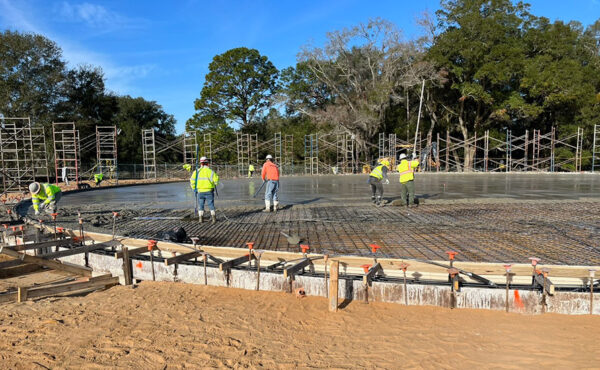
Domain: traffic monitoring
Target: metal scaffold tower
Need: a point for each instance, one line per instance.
(207, 147)
(189, 148)
(278, 148)
(345, 159)
(596, 149)
(40, 157)
(288, 154)
(16, 153)
(311, 154)
(244, 155)
(66, 149)
(106, 150)
(149, 153)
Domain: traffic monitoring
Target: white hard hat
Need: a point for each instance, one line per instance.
(269, 156)
(402, 156)
(203, 159)
(34, 187)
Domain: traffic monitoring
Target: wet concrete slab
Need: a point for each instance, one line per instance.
(350, 189)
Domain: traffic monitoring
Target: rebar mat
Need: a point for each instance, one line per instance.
(558, 233)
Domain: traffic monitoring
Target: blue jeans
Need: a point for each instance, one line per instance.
(271, 191)
(209, 197)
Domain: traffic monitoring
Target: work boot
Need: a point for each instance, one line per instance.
(275, 204)
(267, 206)
(213, 217)
(201, 216)
(373, 199)
(378, 202)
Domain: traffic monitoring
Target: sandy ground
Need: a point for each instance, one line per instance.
(171, 325)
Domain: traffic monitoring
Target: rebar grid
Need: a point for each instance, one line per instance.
(559, 233)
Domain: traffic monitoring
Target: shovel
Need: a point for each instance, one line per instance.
(292, 239)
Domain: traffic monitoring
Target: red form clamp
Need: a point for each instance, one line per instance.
(115, 214)
(250, 245)
(151, 245)
(507, 268)
(60, 229)
(403, 266)
(54, 216)
(304, 248)
(451, 255)
(366, 268)
(374, 247)
(534, 261)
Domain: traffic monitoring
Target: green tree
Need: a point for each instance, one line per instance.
(134, 115)
(31, 74)
(238, 87)
(222, 137)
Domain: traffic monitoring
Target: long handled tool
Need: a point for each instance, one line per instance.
(259, 189)
(196, 185)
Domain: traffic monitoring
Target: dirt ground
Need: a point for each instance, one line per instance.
(173, 325)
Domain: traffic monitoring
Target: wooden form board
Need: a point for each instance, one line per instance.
(53, 264)
(24, 293)
(560, 274)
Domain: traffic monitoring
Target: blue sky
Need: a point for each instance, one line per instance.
(160, 50)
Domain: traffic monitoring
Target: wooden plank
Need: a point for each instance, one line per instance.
(11, 263)
(79, 250)
(127, 267)
(182, 257)
(21, 294)
(390, 265)
(51, 243)
(334, 269)
(371, 273)
(236, 261)
(26, 268)
(72, 287)
(132, 252)
(53, 264)
(293, 269)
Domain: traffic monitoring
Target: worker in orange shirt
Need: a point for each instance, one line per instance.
(270, 174)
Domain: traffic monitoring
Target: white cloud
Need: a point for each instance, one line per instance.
(120, 79)
(95, 16)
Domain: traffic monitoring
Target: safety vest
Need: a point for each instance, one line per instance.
(47, 194)
(187, 167)
(377, 172)
(407, 169)
(98, 177)
(251, 168)
(207, 179)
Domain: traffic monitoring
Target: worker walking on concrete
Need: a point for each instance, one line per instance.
(407, 177)
(377, 178)
(204, 181)
(270, 174)
(250, 170)
(46, 194)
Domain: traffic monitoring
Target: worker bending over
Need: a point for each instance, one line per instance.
(407, 177)
(204, 181)
(270, 173)
(46, 194)
(377, 178)
(98, 178)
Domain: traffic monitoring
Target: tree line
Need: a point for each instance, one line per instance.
(36, 82)
(485, 65)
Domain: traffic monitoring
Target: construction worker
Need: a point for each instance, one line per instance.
(377, 178)
(46, 194)
(98, 177)
(250, 170)
(407, 177)
(204, 181)
(270, 173)
(187, 167)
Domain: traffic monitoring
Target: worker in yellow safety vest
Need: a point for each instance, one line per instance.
(187, 167)
(377, 178)
(250, 170)
(407, 178)
(46, 194)
(204, 181)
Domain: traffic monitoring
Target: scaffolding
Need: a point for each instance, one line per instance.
(311, 154)
(106, 150)
(345, 159)
(39, 152)
(66, 150)
(190, 143)
(288, 154)
(278, 153)
(149, 153)
(207, 147)
(16, 154)
(596, 149)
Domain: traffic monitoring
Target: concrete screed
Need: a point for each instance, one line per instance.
(485, 217)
